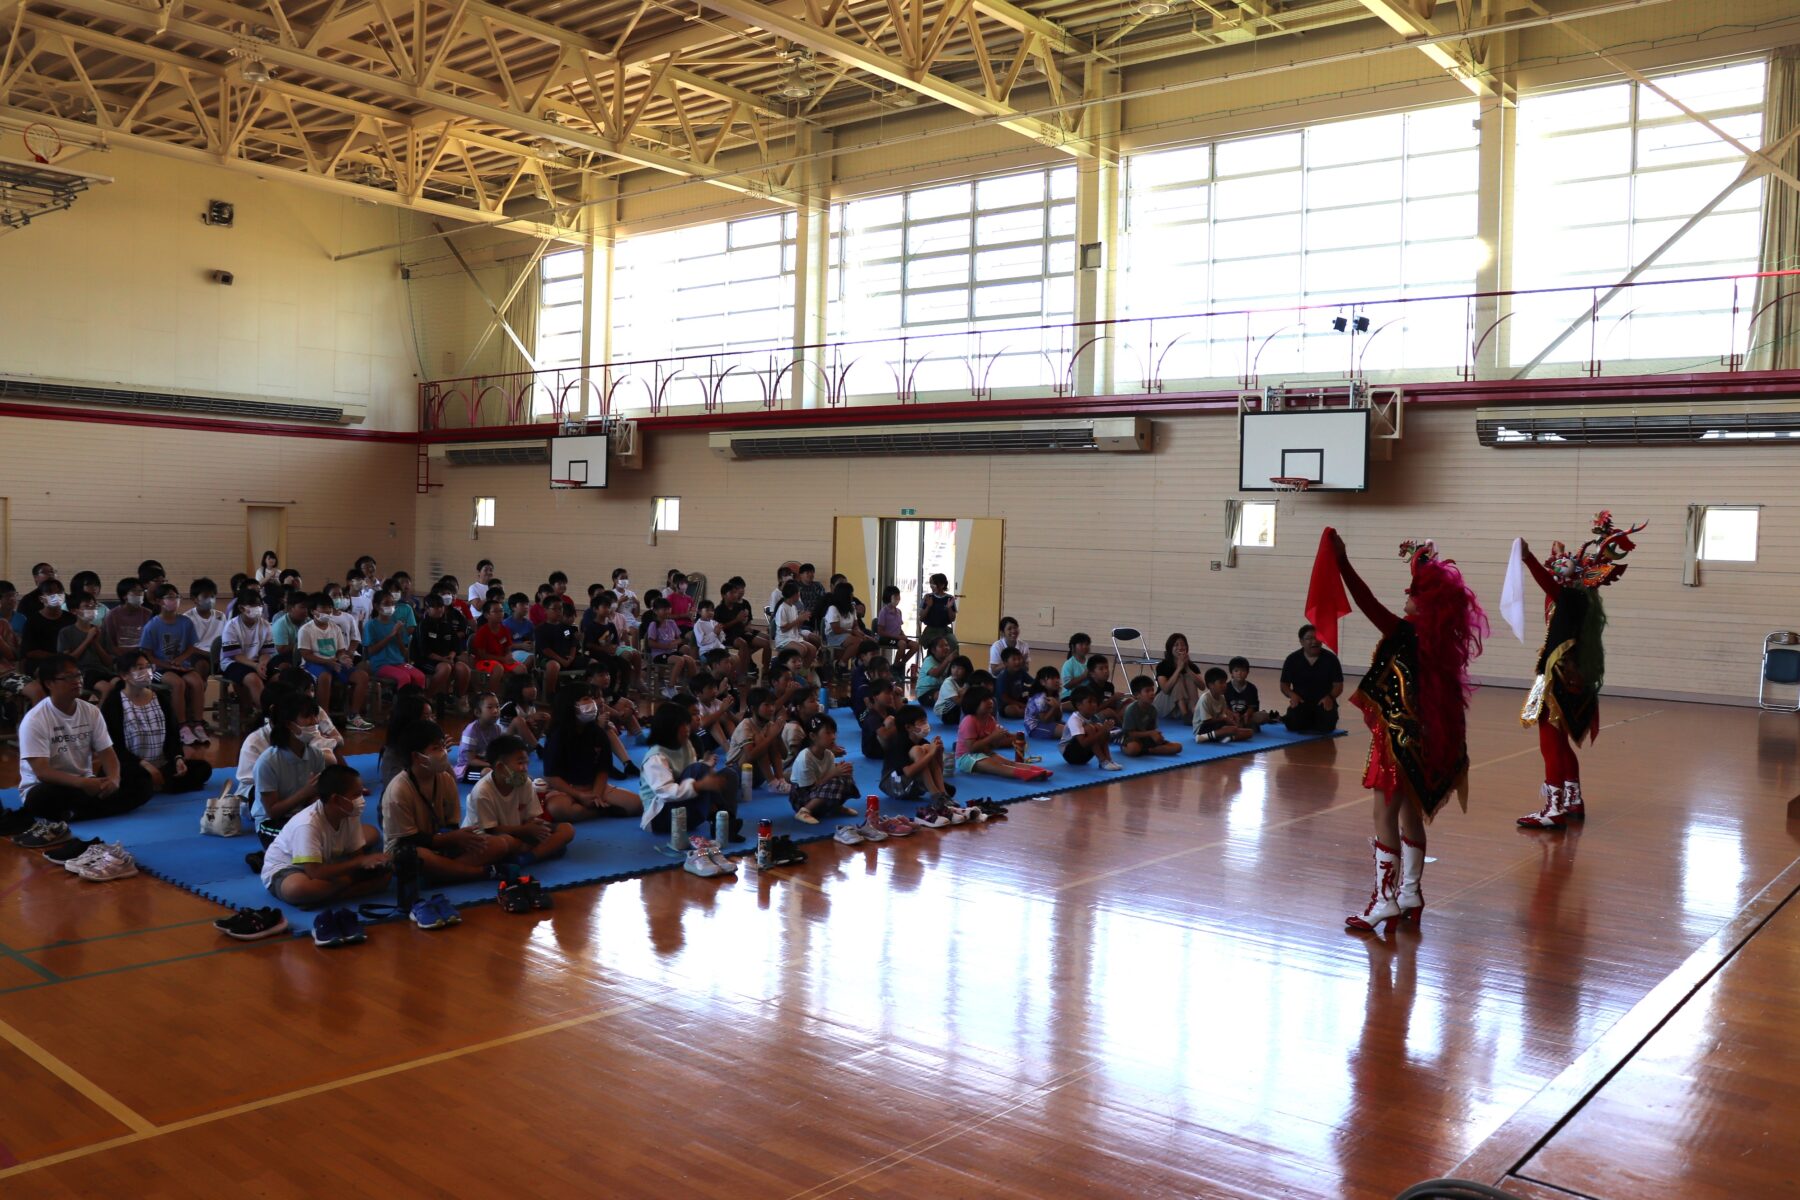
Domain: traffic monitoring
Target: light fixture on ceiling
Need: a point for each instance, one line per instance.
(252, 69)
(1154, 8)
(898, 98)
(256, 71)
(798, 84)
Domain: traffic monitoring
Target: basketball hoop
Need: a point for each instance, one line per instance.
(41, 142)
(1289, 483)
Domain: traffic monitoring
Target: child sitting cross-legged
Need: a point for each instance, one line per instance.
(1012, 687)
(1139, 726)
(912, 762)
(948, 704)
(422, 807)
(1213, 719)
(663, 643)
(713, 725)
(757, 741)
(506, 807)
(472, 749)
(325, 852)
(1043, 712)
(980, 736)
(1099, 680)
(1242, 697)
(822, 784)
(1087, 735)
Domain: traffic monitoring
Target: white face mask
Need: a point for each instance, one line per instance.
(387, 610)
(204, 604)
(623, 583)
(134, 598)
(139, 677)
(88, 614)
(447, 597)
(322, 620)
(586, 713)
(171, 603)
(252, 613)
(53, 600)
(340, 603)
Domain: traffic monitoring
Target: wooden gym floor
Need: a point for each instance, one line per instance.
(1138, 990)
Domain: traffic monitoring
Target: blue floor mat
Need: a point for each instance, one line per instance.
(164, 835)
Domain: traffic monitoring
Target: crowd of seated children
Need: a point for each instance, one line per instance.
(1215, 720)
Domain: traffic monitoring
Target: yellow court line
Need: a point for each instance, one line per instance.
(144, 1130)
(121, 1112)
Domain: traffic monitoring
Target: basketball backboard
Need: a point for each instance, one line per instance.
(29, 190)
(578, 462)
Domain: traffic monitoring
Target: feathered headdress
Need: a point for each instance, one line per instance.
(1600, 560)
(1451, 625)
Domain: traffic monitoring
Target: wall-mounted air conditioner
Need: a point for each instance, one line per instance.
(80, 394)
(1111, 435)
(492, 454)
(1680, 423)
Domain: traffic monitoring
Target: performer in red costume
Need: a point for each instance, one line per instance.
(1564, 702)
(1415, 700)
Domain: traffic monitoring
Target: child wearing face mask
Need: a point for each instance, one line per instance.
(422, 807)
(294, 681)
(204, 616)
(80, 640)
(287, 773)
(169, 641)
(912, 764)
(384, 646)
(327, 658)
(145, 732)
(507, 808)
(577, 754)
(123, 628)
(245, 648)
(471, 750)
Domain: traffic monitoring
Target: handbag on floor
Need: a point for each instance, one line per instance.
(222, 817)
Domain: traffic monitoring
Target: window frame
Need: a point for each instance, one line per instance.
(660, 511)
(1707, 510)
(1244, 507)
(493, 509)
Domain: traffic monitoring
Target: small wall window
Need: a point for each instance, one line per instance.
(1728, 534)
(484, 512)
(668, 514)
(1256, 524)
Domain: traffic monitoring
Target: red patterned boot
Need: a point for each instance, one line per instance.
(1384, 902)
(1573, 808)
(1552, 815)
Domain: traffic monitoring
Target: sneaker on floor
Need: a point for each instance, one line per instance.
(850, 835)
(700, 863)
(992, 809)
(187, 736)
(783, 852)
(109, 863)
(252, 924)
(76, 862)
(42, 834)
(350, 926)
(425, 915)
(515, 896)
(357, 724)
(1112, 764)
(872, 833)
(14, 820)
(780, 787)
(895, 826)
(721, 860)
(957, 814)
(931, 817)
(71, 850)
(327, 930)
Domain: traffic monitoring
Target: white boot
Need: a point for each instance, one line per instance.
(1412, 870)
(1552, 815)
(1384, 900)
(1573, 808)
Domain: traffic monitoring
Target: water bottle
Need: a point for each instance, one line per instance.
(678, 828)
(722, 827)
(872, 811)
(746, 782)
(764, 829)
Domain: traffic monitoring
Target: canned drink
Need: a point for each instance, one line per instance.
(872, 810)
(765, 829)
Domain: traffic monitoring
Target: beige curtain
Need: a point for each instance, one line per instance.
(1775, 338)
(1690, 560)
(1233, 514)
(522, 315)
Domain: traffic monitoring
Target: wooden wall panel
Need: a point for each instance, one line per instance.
(1111, 538)
(104, 497)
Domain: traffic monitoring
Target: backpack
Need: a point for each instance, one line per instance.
(222, 817)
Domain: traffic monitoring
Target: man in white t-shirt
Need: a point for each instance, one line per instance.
(478, 590)
(326, 852)
(68, 770)
(208, 621)
(505, 804)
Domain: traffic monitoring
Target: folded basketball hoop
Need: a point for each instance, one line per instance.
(1290, 483)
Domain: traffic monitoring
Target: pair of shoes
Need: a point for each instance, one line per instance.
(780, 787)
(14, 820)
(74, 863)
(435, 912)
(187, 736)
(895, 826)
(1112, 764)
(70, 850)
(358, 724)
(519, 895)
(338, 927)
(41, 834)
(715, 852)
(850, 835)
(991, 810)
(958, 814)
(783, 852)
(107, 864)
(871, 833)
(931, 817)
(252, 924)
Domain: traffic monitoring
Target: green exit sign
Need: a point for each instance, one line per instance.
(909, 512)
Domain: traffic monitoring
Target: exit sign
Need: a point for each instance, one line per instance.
(909, 512)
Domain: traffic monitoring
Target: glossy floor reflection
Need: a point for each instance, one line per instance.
(1135, 990)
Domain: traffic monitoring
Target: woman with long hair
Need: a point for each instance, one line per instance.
(1415, 700)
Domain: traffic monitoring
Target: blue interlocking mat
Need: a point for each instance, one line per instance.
(165, 837)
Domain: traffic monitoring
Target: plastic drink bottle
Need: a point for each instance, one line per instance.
(764, 829)
(678, 828)
(722, 828)
(747, 783)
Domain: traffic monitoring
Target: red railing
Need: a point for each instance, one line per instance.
(1691, 325)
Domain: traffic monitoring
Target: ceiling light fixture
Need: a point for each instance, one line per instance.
(1154, 8)
(799, 83)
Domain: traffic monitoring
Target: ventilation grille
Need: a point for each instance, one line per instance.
(1686, 425)
(519, 455)
(83, 395)
(899, 441)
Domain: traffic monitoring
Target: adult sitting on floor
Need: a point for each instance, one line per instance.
(68, 770)
(146, 734)
(1312, 679)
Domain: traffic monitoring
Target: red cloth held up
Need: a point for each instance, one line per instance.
(1326, 603)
